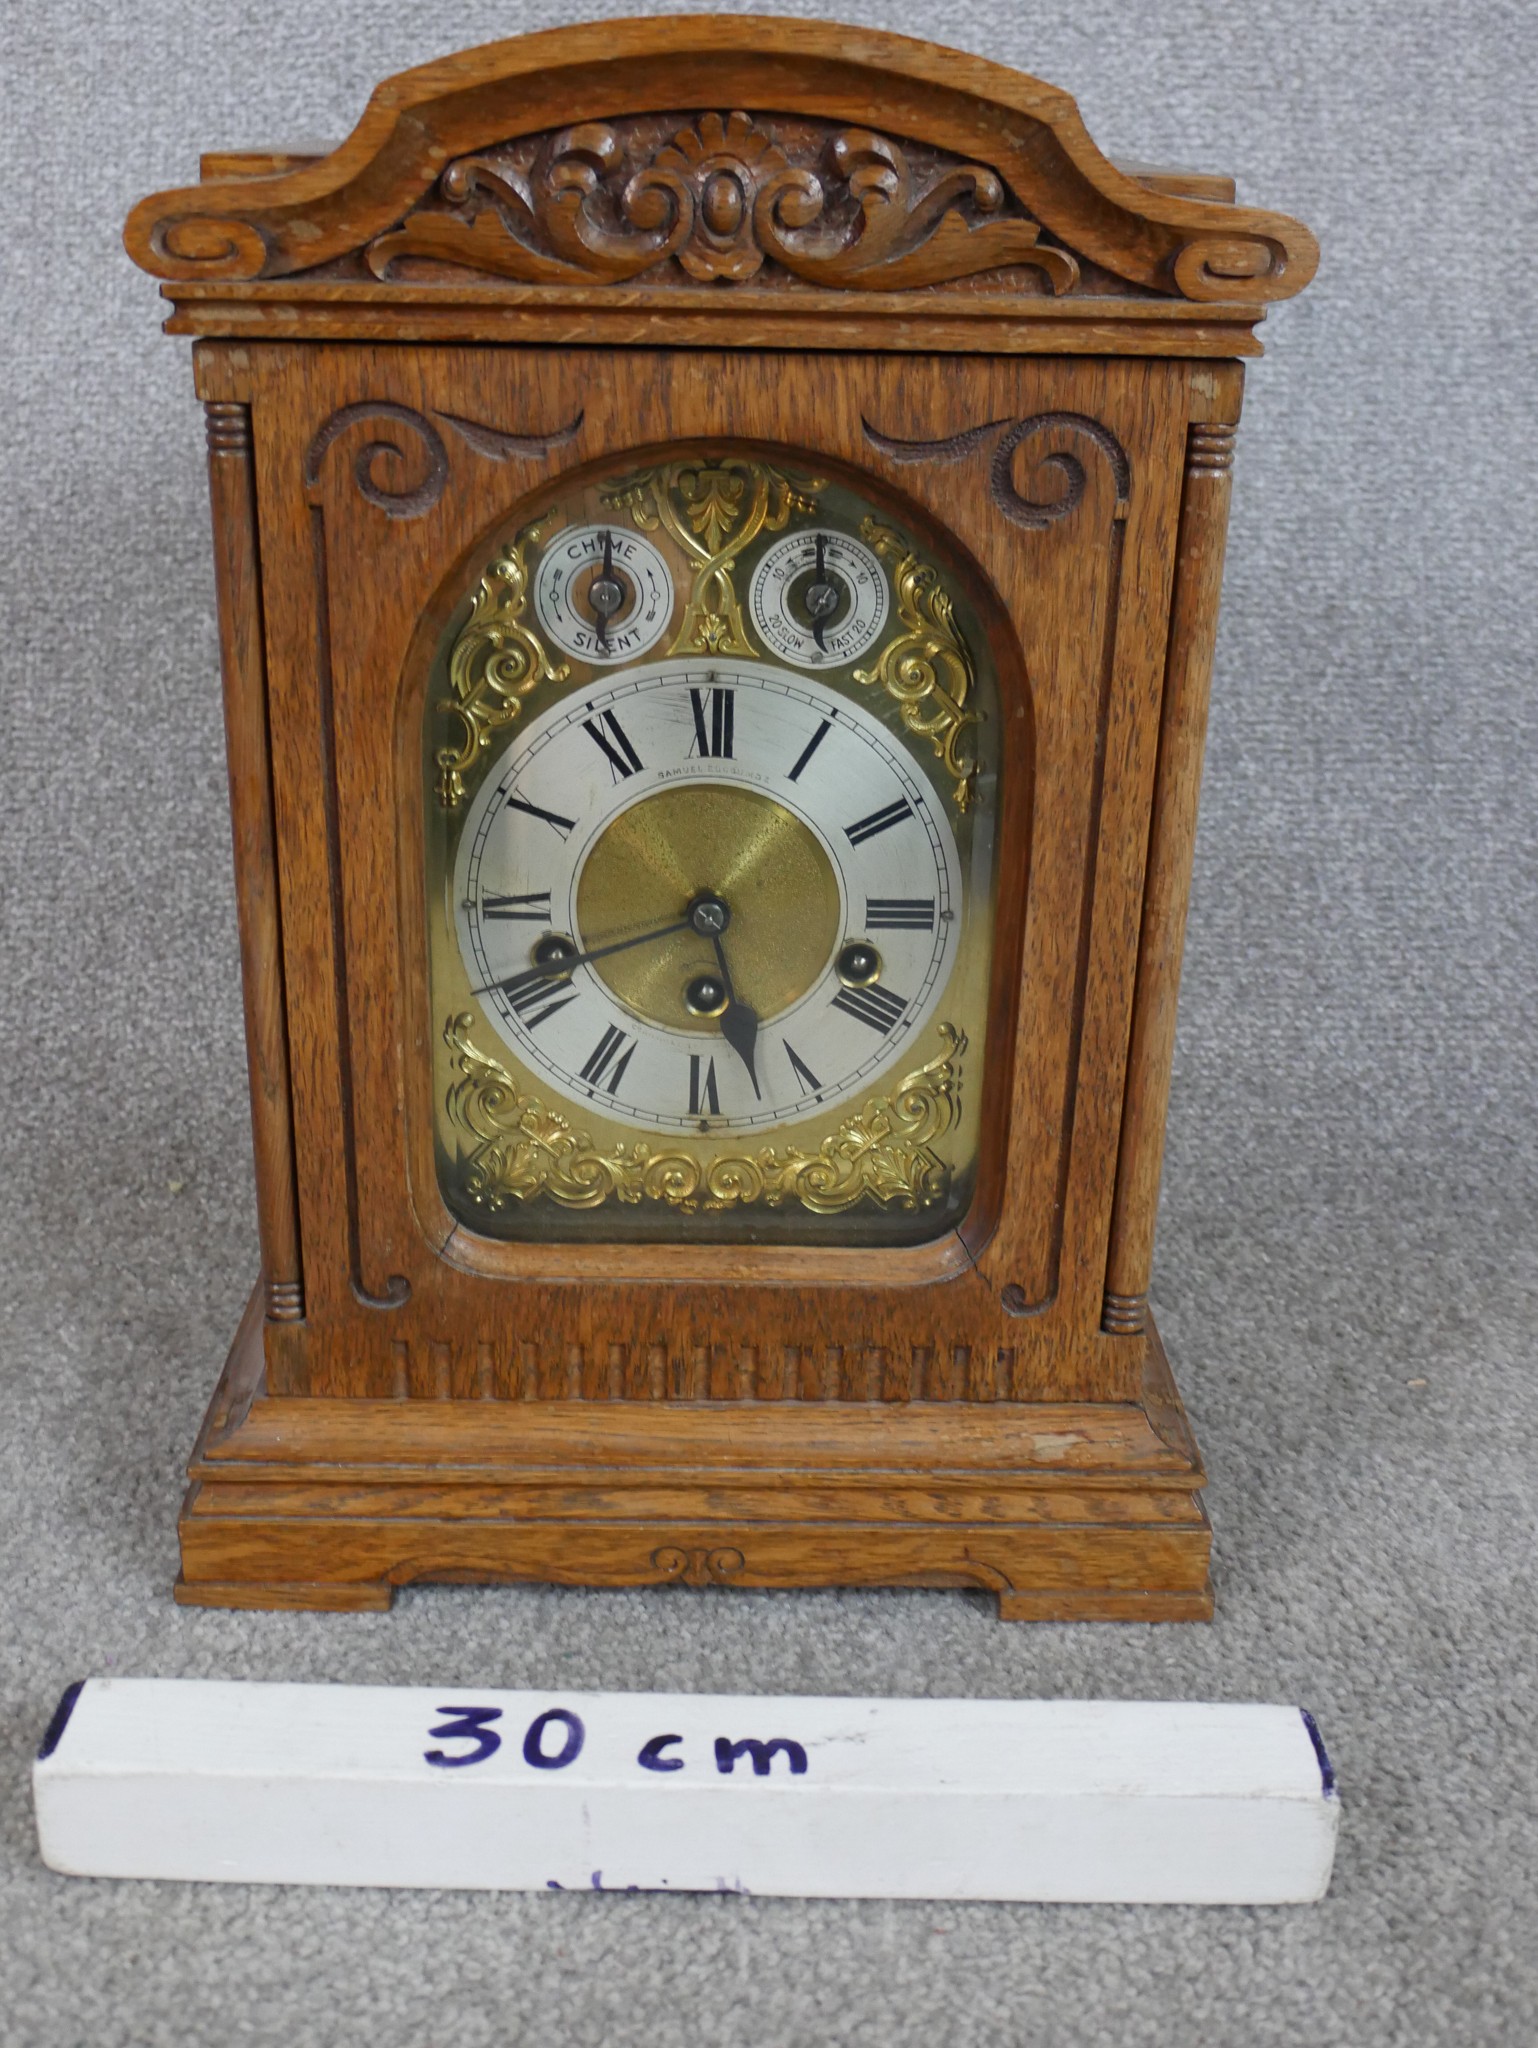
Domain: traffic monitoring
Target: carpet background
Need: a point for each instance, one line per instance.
(1347, 1260)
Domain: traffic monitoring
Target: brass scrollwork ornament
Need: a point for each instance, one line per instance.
(714, 508)
(496, 661)
(926, 668)
(520, 1150)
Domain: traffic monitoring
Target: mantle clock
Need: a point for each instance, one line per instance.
(718, 541)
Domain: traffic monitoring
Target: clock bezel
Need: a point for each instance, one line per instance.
(701, 1260)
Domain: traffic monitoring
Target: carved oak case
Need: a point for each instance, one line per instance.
(718, 541)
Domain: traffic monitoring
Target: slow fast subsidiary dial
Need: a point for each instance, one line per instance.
(819, 598)
(603, 593)
(707, 897)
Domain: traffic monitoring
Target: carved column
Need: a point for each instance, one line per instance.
(242, 657)
(1182, 732)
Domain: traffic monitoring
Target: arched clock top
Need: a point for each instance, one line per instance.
(692, 160)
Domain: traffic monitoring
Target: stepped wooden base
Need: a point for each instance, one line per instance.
(1067, 1511)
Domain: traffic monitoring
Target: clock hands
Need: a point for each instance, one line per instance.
(739, 1024)
(606, 593)
(562, 958)
(710, 915)
(555, 957)
(821, 595)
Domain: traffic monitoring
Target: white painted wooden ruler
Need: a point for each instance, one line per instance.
(819, 1798)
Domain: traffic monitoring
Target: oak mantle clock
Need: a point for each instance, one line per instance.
(718, 540)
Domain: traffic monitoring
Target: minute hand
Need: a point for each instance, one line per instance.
(555, 970)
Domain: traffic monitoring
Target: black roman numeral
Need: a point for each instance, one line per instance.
(713, 740)
(800, 1069)
(533, 909)
(899, 913)
(623, 758)
(809, 749)
(702, 1086)
(876, 1006)
(536, 994)
(878, 821)
(607, 1062)
(562, 825)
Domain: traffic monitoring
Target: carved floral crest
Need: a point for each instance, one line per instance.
(722, 197)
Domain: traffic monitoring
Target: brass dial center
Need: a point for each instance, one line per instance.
(709, 840)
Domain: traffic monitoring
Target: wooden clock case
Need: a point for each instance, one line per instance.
(1036, 352)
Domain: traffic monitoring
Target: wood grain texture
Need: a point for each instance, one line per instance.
(995, 324)
(1172, 838)
(1009, 1308)
(238, 582)
(631, 158)
(215, 166)
(1068, 1510)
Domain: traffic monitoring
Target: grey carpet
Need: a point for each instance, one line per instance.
(1347, 1260)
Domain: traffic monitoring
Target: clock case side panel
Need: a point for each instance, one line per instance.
(243, 667)
(1199, 551)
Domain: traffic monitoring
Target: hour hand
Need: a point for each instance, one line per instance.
(739, 1024)
(739, 1027)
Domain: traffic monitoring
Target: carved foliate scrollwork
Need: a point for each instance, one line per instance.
(1007, 438)
(520, 1150)
(713, 508)
(991, 171)
(722, 197)
(496, 660)
(417, 448)
(926, 669)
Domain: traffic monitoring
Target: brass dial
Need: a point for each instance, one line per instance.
(690, 841)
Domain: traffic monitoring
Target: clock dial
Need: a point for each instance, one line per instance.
(707, 897)
(819, 598)
(710, 778)
(604, 594)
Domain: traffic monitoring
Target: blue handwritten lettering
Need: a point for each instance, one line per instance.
(534, 1742)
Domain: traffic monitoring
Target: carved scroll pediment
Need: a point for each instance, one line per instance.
(619, 151)
(721, 198)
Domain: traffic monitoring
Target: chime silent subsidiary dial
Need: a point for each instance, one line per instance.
(603, 593)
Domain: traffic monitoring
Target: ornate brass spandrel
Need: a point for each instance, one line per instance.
(520, 1149)
(714, 508)
(496, 661)
(926, 668)
(725, 199)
